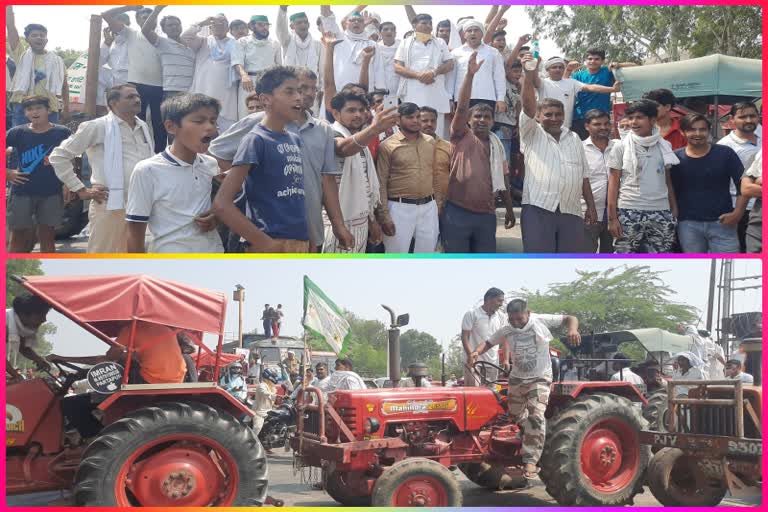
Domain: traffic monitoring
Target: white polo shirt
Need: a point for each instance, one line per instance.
(168, 193)
(529, 346)
(598, 175)
(746, 151)
(554, 169)
(481, 327)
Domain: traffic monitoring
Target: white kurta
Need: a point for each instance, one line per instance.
(346, 68)
(212, 78)
(384, 76)
(422, 57)
(254, 55)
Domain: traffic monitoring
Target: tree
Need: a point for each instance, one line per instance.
(417, 346)
(68, 56)
(367, 345)
(12, 289)
(629, 297)
(664, 33)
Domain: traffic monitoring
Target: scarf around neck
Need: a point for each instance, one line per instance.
(354, 197)
(113, 159)
(24, 79)
(637, 149)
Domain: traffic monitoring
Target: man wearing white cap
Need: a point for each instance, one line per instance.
(565, 89)
(490, 83)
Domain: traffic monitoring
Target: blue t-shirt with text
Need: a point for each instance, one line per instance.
(33, 150)
(586, 101)
(274, 187)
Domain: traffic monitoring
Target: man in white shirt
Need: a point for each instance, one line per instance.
(597, 148)
(733, 371)
(22, 323)
(344, 377)
(551, 219)
(490, 82)
(752, 186)
(299, 47)
(252, 55)
(746, 142)
(384, 75)
(623, 371)
(526, 338)
(348, 54)
(264, 401)
(145, 70)
(477, 327)
(565, 89)
(99, 139)
(422, 62)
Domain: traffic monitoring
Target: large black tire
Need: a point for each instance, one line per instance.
(385, 492)
(96, 478)
(561, 465)
(336, 487)
(73, 221)
(655, 413)
(492, 477)
(673, 482)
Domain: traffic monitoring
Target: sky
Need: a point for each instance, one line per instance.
(74, 33)
(436, 292)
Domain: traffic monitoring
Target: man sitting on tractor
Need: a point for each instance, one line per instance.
(733, 371)
(623, 372)
(22, 322)
(526, 338)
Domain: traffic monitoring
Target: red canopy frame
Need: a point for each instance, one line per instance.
(102, 305)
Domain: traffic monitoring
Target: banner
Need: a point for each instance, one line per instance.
(323, 318)
(76, 79)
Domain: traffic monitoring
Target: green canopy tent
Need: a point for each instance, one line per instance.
(714, 78)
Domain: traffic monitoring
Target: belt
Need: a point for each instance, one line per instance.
(405, 200)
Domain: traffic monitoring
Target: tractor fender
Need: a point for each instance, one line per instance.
(574, 390)
(135, 396)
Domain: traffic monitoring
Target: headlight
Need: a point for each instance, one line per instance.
(372, 426)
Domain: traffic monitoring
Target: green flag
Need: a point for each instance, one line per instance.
(323, 318)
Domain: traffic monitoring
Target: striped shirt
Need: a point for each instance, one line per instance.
(178, 62)
(554, 169)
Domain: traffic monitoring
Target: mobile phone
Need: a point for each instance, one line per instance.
(389, 102)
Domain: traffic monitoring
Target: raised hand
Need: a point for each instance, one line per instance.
(474, 66)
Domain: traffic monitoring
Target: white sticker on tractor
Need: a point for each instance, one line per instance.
(14, 420)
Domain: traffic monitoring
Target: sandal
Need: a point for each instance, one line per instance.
(531, 475)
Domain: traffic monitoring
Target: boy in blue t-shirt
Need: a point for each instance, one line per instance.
(596, 73)
(36, 196)
(269, 163)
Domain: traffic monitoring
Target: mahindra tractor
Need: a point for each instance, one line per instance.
(148, 444)
(399, 446)
(711, 442)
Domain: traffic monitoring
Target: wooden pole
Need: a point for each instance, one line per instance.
(92, 72)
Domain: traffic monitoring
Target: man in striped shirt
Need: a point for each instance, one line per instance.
(556, 178)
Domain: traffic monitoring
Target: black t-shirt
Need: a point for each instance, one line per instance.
(33, 150)
(702, 185)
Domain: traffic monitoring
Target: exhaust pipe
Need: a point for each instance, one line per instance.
(393, 334)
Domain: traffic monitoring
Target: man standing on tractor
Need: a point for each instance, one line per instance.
(477, 326)
(22, 323)
(526, 339)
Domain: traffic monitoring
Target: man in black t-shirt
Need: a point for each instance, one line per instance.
(35, 199)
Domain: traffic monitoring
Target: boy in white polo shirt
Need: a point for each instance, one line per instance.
(171, 192)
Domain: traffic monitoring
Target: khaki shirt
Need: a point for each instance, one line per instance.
(442, 170)
(405, 169)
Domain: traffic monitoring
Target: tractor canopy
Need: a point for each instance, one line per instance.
(106, 304)
(203, 358)
(654, 340)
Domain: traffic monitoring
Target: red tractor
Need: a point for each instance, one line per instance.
(397, 447)
(156, 444)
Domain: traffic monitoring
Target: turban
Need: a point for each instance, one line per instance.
(468, 24)
(554, 60)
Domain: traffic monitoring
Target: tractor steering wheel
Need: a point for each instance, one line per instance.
(70, 377)
(479, 368)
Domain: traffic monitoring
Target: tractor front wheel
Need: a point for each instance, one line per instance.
(676, 481)
(416, 483)
(173, 454)
(592, 453)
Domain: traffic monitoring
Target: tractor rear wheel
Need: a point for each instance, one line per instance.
(416, 483)
(592, 453)
(676, 481)
(337, 487)
(656, 412)
(490, 476)
(173, 454)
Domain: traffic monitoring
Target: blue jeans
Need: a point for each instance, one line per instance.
(505, 137)
(707, 237)
(19, 118)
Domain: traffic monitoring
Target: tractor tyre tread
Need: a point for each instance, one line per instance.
(102, 460)
(659, 476)
(388, 482)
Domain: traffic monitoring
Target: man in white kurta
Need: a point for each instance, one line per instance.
(384, 76)
(348, 54)
(298, 46)
(251, 56)
(214, 72)
(490, 82)
(422, 62)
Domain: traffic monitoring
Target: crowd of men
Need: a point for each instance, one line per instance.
(219, 138)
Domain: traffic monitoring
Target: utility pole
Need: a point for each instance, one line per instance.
(711, 300)
(727, 278)
(92, 71)
(239, 297)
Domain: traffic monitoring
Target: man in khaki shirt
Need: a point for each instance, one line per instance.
(442, 159)
(108, 228)
(407, 184)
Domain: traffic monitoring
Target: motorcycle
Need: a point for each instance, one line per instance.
(278, 426)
